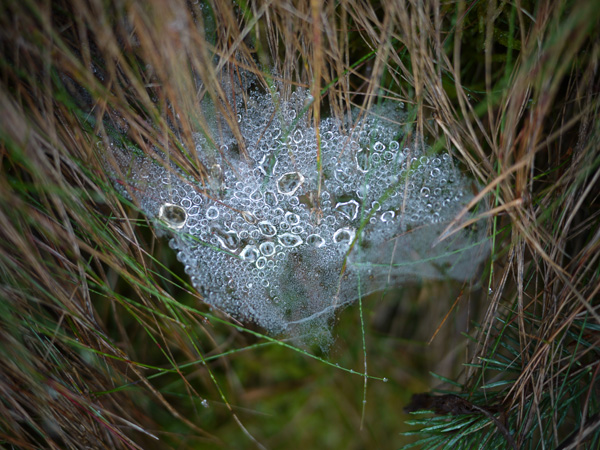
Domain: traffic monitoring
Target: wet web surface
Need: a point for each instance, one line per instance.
(272, 242)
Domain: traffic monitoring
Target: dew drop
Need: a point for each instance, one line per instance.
(212, 213)
(271, 198)
(387, 216)
(292, 219)
(344, 235)
(256, 196)
(298, 136)
(267, 248)
(341, 175)
(173, 215)
(362, 161)
(267, 228)
(289, 240)
(250, 253)
(348, 209)
(267, 165)
(228, 239)
(315, 240)
(288, 183)
(261, 262)
(249, 217)
(378, 147)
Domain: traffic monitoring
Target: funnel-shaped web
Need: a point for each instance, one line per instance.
(268, 245)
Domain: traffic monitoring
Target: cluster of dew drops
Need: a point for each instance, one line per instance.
(272, 204)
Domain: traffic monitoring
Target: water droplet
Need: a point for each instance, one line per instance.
(267, 228)
(250, 253)
(387, 216)
(315, 240)
(292, 219)
(289, 240)
(341, 175)
(228, 239)
(288, 183)
(267, 165)
(173, 215)
(256, 196)
(344, 235)
(261, 262)
(249, 217)
(216, 177)
(267, 248)
(378, 146)
(348, 209)
(362, 161)
(271, 198)
(212, 213)
(298, 136)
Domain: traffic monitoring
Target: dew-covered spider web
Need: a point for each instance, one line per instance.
(267, 240)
